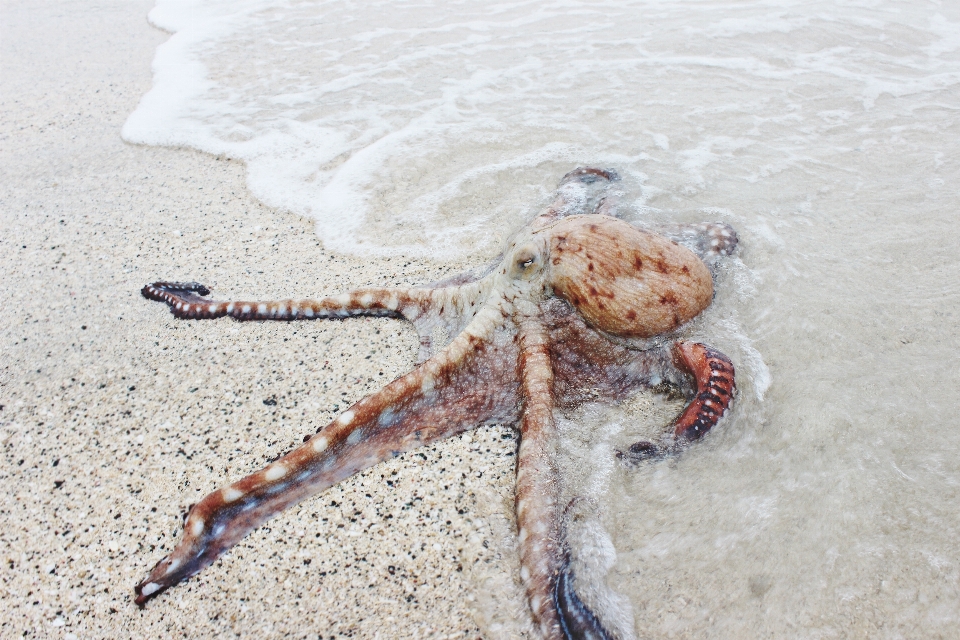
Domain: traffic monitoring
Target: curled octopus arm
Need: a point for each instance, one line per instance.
(714, 389)
(584, 362)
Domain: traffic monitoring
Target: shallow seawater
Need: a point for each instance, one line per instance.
(827, 134)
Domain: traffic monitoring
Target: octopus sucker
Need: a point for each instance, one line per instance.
(714, 376)
(553, 322)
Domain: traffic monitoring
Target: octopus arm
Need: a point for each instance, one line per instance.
(545, 569)
(469, 383)
(187, 300)
(581, 191)
(712, 395)
(436, 313)
(589, 367)
(713, 374)
(711, 241)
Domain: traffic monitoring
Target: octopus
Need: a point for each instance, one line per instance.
(580, 306)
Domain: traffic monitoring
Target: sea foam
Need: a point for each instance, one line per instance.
(434, 128)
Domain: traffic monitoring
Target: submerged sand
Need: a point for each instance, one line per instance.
(115, 417)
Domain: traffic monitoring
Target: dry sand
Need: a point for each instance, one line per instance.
(115, 416)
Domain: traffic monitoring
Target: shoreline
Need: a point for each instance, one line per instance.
(116, 416)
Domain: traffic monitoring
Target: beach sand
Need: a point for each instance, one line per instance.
(115, 416)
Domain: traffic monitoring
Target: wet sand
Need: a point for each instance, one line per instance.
(115, 417)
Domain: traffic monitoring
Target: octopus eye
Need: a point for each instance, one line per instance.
(526, 258)
(525, 261)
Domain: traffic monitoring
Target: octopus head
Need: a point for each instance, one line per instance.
(623, 280)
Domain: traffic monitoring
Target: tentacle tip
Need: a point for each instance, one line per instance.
(165, 574)
(730, 239)
(150, 290)
(643, 451)
(589, 175)
(146, 591)
(577, 620)
(692, 433)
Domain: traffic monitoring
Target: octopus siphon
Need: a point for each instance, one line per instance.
(580, 305)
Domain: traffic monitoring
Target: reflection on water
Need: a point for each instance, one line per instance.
(827, 134)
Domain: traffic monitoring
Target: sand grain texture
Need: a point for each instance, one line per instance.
(115, 416)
